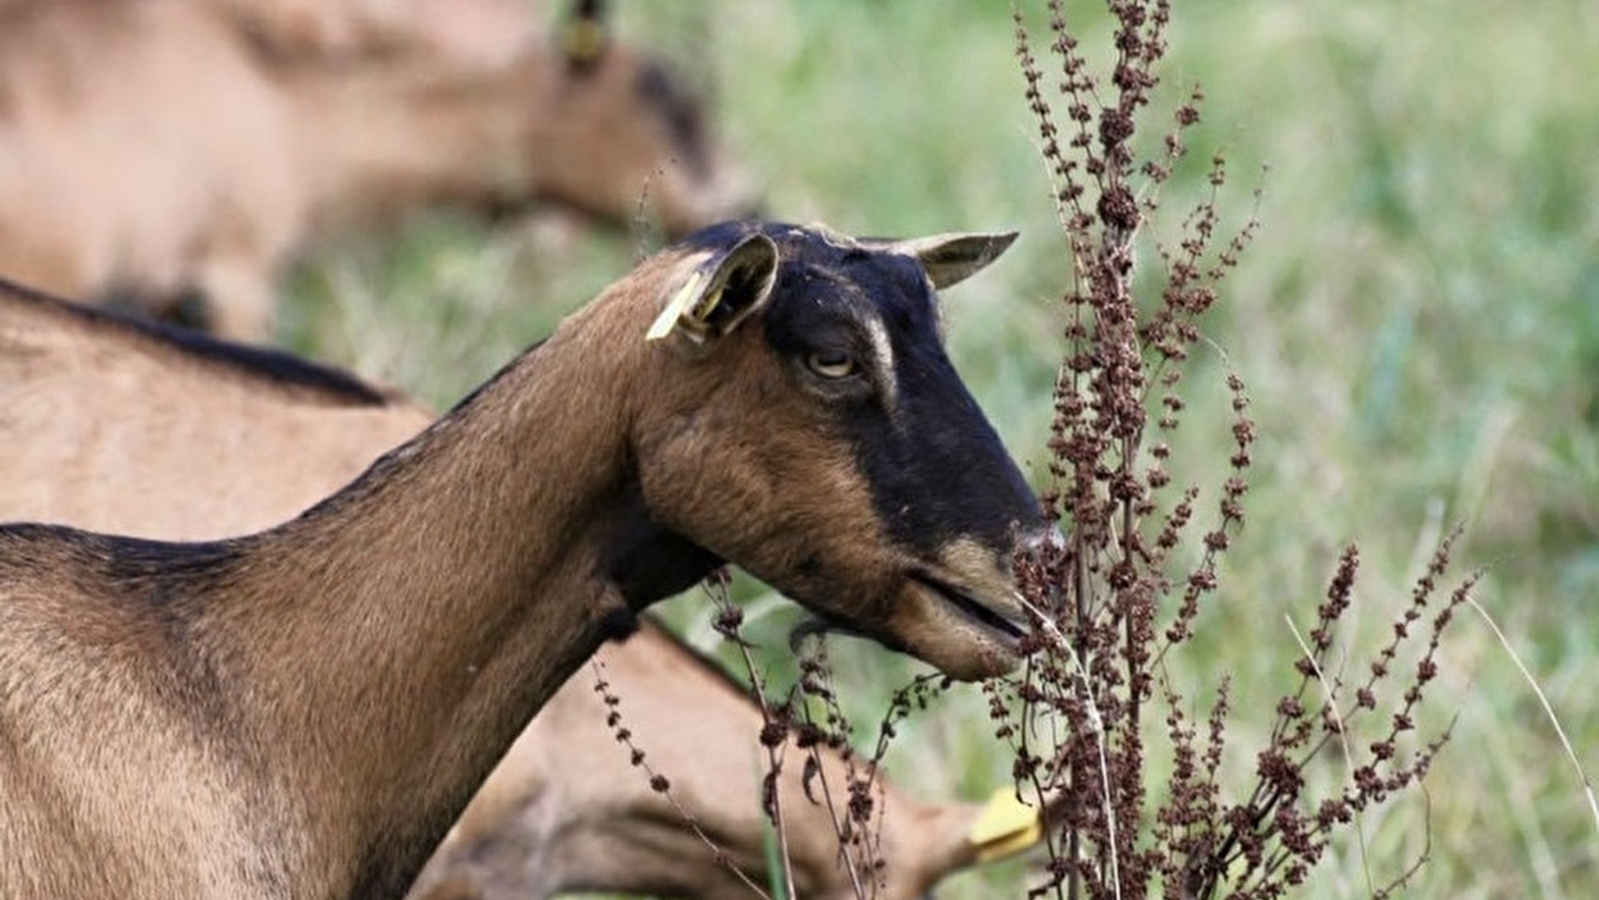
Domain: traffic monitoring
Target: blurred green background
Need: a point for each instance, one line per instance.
(1417, 323)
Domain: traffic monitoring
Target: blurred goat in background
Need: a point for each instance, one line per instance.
(168, 151)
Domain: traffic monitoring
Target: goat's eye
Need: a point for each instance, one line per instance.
(831, 363)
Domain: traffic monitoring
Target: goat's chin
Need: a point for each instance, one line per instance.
(964, 636)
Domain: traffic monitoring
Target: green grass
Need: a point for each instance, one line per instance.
(1418, 324)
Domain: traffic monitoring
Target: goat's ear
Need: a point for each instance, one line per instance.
(952, 258)
(721, 292)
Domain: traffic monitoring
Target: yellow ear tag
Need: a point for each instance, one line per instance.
(1005, 826)
(585, 40)
(675, 308)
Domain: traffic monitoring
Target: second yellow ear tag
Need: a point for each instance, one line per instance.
(1005, 826)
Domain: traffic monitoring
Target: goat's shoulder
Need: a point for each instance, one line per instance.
(87, 613)
(82, 582)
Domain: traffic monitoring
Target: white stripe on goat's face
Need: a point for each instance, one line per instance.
(882, 359)
(869, 484)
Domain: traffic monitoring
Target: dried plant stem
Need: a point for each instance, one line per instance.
(1330, 697)
(1097, 724)
(840, 828)
(840, 821)
(731, 615)
(1101, 663)
(659, 782)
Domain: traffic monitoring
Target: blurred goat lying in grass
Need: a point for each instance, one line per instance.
(139, 429)
(168, 152)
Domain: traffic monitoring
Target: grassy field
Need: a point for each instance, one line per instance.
(1418, 324)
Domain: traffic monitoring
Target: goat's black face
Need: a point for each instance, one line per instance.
(890, 505)
(862, 329)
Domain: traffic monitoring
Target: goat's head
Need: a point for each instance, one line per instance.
(811, 429)
(622, 127)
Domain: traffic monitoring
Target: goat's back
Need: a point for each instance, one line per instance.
(208, 414)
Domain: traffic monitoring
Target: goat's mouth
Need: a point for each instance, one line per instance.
(1007, 631)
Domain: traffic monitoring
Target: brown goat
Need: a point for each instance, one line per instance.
(302, 712)
(201, 165)
(137, 429)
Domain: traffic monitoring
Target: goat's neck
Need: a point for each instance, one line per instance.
(377, 139)
(414, 623)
